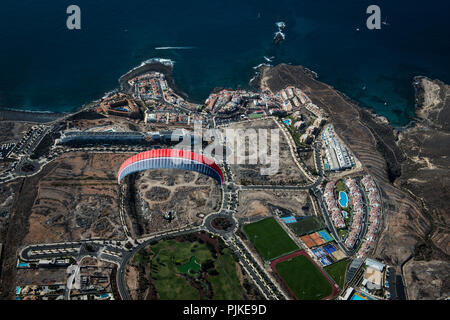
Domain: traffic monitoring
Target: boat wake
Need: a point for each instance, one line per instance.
(174, 48)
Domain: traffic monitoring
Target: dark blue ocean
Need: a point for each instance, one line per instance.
(45, 66)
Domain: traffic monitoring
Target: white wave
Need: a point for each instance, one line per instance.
(281, 34)
(261, 64)
(18, 109)
(253, 78)
(166, 62)
(109, 93)
(269, 59)
(280, 25)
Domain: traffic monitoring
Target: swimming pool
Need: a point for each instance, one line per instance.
(343, 199)
(357, 296)
(287, 121)
(23, 265)
(360, 296)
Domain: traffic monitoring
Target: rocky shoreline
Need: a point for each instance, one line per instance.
(29, 116)
(165, 69)
(411, 167)
(45, 116)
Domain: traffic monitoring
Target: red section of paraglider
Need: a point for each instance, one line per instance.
(170, 153)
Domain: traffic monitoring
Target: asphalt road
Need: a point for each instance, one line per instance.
(121, 256)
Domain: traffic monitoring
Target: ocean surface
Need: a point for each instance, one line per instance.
(45, 66)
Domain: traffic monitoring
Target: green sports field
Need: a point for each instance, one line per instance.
(337, 272)
(269, 239)
(306, 225)
(304, 279)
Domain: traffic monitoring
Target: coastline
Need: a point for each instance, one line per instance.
(31, 116)
(165, 66)
(36, 116)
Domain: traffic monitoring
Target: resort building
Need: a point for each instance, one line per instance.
(299, 125)
(374, 211)
(119, 105)
(319, 122)
(306, 138)
(333, 210)
(358, 212)
(336, 153)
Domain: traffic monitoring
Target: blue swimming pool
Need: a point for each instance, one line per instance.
(287, 121)
(356, 296)
(361, 296)
(343, 199)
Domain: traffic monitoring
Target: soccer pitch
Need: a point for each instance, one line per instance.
(304, 279)
(269, 239)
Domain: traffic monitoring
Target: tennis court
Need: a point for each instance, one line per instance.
(307, 240)
(329, 249)
(338, 255)
(325, 235)
(316, 238)
(324, 261)
(288, 219)
(318, 252)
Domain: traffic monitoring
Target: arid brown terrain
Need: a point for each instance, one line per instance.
(187, 195)
(287, 172)
(77, 199)
(74, 197)
(254, 203)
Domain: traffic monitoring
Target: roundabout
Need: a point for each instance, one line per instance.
(220, 223)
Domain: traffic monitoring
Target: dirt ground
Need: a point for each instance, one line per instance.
(119, 124)
(250, 174)
(78, 199)
(266, 203)
(188, 194)
(132, 280)
(11, 131)
(40, 276)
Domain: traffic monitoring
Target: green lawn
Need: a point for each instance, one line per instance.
(337, 272)
(340, 186)
(304, 279)
(226, 285)
(269, 238)
(171, 259)
(168, 256)
(343, 233)
(306, 225)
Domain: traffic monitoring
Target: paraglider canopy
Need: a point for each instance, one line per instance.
(170, 158)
